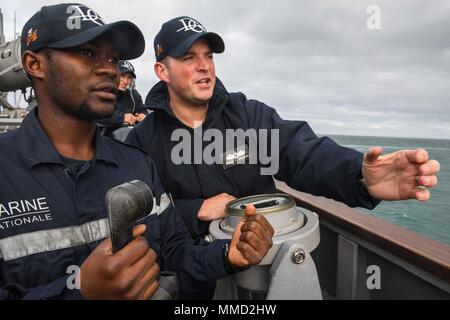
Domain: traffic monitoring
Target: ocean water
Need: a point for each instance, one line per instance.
(432, 218)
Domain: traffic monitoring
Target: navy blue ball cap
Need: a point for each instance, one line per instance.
(126, 67)
(179, 34)
(69, 25)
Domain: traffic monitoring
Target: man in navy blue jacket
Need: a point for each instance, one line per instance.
(191, 104)
(57, 168)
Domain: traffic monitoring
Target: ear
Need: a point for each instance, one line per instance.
(34, 64)
(161, 71)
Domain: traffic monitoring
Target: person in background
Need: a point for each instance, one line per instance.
(129, 109)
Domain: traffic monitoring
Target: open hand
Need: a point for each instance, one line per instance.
(405, 174)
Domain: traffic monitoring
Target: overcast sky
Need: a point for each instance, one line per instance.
(312, 60)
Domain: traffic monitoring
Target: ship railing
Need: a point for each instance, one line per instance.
(364, 257)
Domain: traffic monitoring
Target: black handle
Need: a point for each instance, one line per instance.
(127, 203)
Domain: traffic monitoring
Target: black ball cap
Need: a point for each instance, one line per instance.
(69, 25)
(126, 67)
(179, 34)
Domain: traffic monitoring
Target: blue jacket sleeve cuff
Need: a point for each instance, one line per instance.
(188, 209)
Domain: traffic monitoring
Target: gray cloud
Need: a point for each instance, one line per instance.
(315, 60)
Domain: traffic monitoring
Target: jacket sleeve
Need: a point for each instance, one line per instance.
(188, 209)
(198, 263)
(311, 164)
(56, 289)
(139, 105)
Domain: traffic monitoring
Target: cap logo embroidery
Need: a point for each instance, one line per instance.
(81, 13)
(191, 25)
(127, 65)
(31, 36)
(159, 50)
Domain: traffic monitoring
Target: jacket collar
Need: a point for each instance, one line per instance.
(35, 146)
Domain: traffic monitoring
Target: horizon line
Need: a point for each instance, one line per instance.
(381, 136)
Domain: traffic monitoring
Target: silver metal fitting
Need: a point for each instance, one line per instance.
(298, 256)
(209, 238)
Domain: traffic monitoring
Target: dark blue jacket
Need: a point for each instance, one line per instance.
(50, 220)
(307, 163)
(128, 101)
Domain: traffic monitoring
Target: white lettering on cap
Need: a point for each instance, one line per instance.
(191, 25)
(127, 65)
(81, 13)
